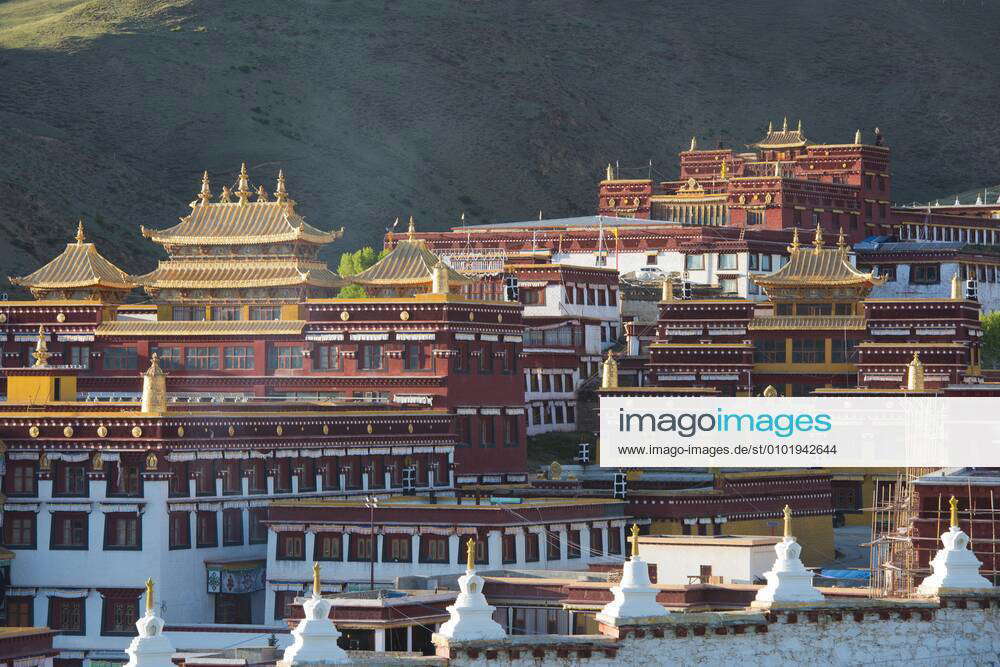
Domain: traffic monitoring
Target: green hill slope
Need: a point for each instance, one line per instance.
(377, 109)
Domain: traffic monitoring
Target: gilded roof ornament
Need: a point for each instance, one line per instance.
(609, 173)
(953, 503)
(79, 232)
(634, 539)
(149, 596)
(770, 127)
(206, 191)
(795, 240)
(818, 239)
(226, 194)
(243, 185)
(770, 391)
(281, 194)
(411, 230)
(857, 137)
(41, 353)
(316, 586)
(470, 554)
(694, 144)
(787, 512)
(841, 242)
(261, 193)
(784, 125)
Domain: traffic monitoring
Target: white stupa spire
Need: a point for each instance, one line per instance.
(151, 648)
(788, 581)
(471, 615)
(635, 597)
(315, 637)
(954, 567)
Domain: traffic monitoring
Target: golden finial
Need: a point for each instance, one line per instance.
(770, 127)
(818, 239)
(149, 595)
(784, 125)
(634, 539)
(261, 193)
(411, 230)
(154, 366)
(722, 171)
(470, 554)
(316, 580)
(841, 241)
(41, 353)
(224, 197)
(788, 521)
(206, 192)
(79, 232)
(954, 511)
(243, 185)
(915, 374)
(956, 287)
(280, 195)
(770, 391)
(609, 173)
(795, 240)
(694, 144)
(857, 137)
(800, 126)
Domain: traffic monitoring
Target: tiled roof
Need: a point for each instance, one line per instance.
(143, 328)
(812, 322)
(783, 138)
(78, 266)
(206, 274)
(409, 263)
(241, 222)
(823, 267)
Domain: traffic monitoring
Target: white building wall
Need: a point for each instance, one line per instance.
(735, 564)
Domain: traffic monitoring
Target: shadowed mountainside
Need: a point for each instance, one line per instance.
(111, 109)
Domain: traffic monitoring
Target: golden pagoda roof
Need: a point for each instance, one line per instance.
(226, 222)
(783, 138)
(78, 266)
(409, 263)
(238, 273)
(817, 266)
(143, 328)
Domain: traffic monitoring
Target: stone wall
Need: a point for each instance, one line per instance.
(954, 631)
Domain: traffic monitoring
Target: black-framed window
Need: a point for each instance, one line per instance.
(120, 359)
(79, 355)
(265, 312)
(189, 313)
(769, 351)
(180, 530)
(291, 545)
(70, 479)
(122, 531)
(201, 358)
(258, 529)
(328, 546)
(396, 549)
(238, 357)
(370, 357)
(925, 274)
(414, 358)
(227, 313)
(69, 531)
(232, 527)
(326, 357)
(118, 616)
(843, 351)
(207, 534)
(434, 549)
(68, 615)
(169, 358)
(808, 351)
(284, 357)
(20, 530)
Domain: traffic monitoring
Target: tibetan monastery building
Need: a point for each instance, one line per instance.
(243, 310)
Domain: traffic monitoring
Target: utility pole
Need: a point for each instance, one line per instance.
(371, 502)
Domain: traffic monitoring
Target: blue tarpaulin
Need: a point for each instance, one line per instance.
(845, 574)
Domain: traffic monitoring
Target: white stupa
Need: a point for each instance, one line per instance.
(315, 637)
(955, 567)
(635, 597)
(151, 648)
(471, 615)
(788, 581)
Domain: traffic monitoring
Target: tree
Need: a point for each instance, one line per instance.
(353, 263)
(352, 292)
(990, 344)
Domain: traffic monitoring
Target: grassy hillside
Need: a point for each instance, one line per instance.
(111, 109)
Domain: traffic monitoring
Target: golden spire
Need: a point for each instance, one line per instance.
(857, 137)
(788, 521)
(243, 185)
(149, 596)
(956, 287)
(41, 353)
(784, 125)
(224, 197)
(411, 230)
(281, 195)
(954, 511)
(609, 173)
(915, 374)
(79, 232)
(722, 171)
(261, 193)
(800, 126)
(634, 539)
(795, 240)
(206, 192)
(841, 242)
(694, 144)
(609, 372)
(818, 239)
(154, 366)
(316, 580)
(770, 127)
(470, 554)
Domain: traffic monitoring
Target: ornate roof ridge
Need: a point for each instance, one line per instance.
(783, 138)
(79, 265)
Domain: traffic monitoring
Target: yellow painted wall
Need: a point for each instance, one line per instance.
(40, 389)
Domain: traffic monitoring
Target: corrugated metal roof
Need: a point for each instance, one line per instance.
(207, 274)
(409, 263)
(79, 265)
(241, 222)
(142, 328)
